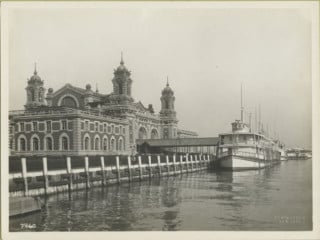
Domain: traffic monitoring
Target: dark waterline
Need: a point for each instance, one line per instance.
(278, 198)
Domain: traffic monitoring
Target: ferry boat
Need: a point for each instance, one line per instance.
(243, 149)
(298, 154)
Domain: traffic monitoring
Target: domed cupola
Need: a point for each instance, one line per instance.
(35, 77)
(35, 91)
(167, 90)
(122, 84)
(122, 68)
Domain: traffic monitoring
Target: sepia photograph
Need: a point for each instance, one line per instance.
(197, 118)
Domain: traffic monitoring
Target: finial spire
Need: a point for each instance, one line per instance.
(167, 81)
(35, 69)
(121, 59)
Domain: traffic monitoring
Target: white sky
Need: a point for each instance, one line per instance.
(205, 52)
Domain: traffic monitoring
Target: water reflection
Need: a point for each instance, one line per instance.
(224, 200)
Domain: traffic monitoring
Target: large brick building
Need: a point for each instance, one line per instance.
(80, 121)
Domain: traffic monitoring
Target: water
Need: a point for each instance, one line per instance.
(279, 198)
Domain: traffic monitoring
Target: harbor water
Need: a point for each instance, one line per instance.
(277, 198)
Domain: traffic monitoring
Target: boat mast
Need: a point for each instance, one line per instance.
(255, 119)
(259, 121)
(241, 105)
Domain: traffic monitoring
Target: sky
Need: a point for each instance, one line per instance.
(206, 53)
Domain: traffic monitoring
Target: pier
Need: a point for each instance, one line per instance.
(43, 175)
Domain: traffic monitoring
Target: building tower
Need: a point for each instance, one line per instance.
(168, 114)
(35, 91)
(121, 85)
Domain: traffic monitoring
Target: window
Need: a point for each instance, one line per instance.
(49, 145)
(35, 144)
(49, 126)
(120, 88)
(87, 143)
(32, 95)
(22, 127)
(112, 129)
(123, 131)
(105, 144)
(64, 125)
(96, 143)
(68, 102)
(65, 144)
(112, 147)
(105, 127)
(109, 129)
(35, 126)
(120, 144)
(167, 104)
(96, 127)
(40, 96)
(86, 126)
(22, 143)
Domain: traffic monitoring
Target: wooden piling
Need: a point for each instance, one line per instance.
(196, 161)
(149, 164)
(118, 169)
(191, 160)
(181, 166)
(86, 168)
(140, 168)
(174, 164)
(24, 175)
(159, 165)
(129, 169)
(167, 164)
(187, 162)
(103, 173)
(69, 172)
(45, 175)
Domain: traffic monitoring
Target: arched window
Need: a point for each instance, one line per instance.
(97, 143)
(112, 144)
(65, 143)
(120, 88)
(86, 143)
(40, 95)
(142, 133)
(35, 144)
(154, 134)
(105, 144)
(22, 144)
(33, 97)
(68, 102)
(49, 145)
(120, 145)
(167, 104)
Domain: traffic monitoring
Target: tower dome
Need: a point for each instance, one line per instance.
(167, 90)
(122, 67)
(35, 77)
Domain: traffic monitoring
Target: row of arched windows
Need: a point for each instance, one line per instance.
(103, 144)
(48, 143)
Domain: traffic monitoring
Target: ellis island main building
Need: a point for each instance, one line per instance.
(76, 121)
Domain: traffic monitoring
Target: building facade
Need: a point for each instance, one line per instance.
(77, 121)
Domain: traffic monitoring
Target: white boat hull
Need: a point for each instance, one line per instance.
(233, 162)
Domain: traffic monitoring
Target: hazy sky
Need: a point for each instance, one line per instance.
(206, 53)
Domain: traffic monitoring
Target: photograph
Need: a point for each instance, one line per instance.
(194, 118)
